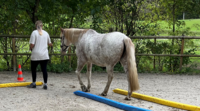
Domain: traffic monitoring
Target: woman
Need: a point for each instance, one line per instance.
(39, 42)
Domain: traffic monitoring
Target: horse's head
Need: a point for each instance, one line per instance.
(70, 36)
(64, 42)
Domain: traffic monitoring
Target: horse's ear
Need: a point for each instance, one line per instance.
(62, 30)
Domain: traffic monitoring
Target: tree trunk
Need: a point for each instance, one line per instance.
(33, 11)
(71, 22)
(173, 12)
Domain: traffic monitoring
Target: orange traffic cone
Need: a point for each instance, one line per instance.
(20, 77)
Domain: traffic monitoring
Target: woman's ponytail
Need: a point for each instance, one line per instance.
(39, 25)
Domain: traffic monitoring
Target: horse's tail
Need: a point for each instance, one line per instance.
(131, 64)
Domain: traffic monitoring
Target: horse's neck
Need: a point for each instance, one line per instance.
(74, 35)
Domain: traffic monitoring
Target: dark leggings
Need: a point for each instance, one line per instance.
(43, 64)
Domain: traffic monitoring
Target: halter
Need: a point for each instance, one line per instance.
(63, 45)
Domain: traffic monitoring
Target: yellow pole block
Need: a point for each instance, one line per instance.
(159, 101)
(18, 84)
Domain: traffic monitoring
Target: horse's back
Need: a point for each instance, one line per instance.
(103, 49)
(112, 43)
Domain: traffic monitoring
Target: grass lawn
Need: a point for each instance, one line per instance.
(193, 24)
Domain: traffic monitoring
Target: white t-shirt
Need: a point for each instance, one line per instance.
(40, 50)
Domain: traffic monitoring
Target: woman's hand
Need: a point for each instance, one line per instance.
(50, 44)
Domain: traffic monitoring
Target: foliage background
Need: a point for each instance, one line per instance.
(132, 17)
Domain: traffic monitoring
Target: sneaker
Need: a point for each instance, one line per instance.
(31, 85)
(45, 87)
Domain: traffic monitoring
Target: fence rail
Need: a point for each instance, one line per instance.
(73, 54)
(132, 37)
(164, 37)
(181, 55)
(30, 54)
(24, 36)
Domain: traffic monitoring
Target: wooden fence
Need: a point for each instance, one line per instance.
(181, 55)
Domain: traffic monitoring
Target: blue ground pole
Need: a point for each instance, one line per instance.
(110, 102)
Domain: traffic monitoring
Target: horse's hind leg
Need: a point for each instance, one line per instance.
(89, 72)
(110, 77)
(78, 70)
(123, 61)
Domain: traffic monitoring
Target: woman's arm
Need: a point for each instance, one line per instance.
(50, 44)
(31, 46)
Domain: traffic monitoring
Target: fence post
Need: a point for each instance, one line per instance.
(6, 51)
(181, 58)
(154, 57)
(69, 57)
(14, 56)
(62, 58)
(51, 50)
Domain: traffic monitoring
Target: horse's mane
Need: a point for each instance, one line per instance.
(73, 34)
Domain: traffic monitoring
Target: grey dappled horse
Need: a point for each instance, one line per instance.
(103, 50)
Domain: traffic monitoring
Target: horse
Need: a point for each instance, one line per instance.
(103, 50)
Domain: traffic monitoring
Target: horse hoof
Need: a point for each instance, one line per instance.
(84, 89)
(102, 94)
(88, 90)
(126, 98)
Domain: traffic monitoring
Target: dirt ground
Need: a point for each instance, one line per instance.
(60, 97)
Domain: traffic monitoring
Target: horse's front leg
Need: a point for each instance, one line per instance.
(80, 65)
(110, 77)
(89, 73)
